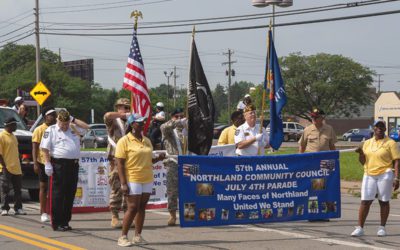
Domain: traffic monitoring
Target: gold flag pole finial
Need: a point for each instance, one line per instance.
(193, 31)
(136, 14)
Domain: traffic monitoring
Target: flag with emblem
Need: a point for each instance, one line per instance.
(135, 81)
(200, 107)
(277, 95)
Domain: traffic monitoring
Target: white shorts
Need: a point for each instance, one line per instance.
(140, 188)
(381, 184)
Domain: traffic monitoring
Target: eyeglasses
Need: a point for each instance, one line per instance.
(127, 108)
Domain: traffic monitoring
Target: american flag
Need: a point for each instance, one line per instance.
(189, 169)
(135, 81)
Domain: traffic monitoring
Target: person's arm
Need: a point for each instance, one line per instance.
(396, 174)
(333, 141)
(109, 116)
(122, 176)
(3, 164)
(246, 143)
(35, 153)
(160, 157)
(80, 123)
(361, 155)
(46, 154)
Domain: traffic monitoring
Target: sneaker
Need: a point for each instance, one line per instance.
(20, 211)
(381, 231)
(124, 242)
(359, 231)
(44, 218)
(4, 212)
(138, 240)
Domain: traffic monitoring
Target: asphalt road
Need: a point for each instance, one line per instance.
(92, 231)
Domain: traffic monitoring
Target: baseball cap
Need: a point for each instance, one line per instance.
(47, 111)
(177, 111)
(246, 95)
(379, 121)
(317, 113)
(123, 102)
(248, 108)
(9, 121)
(17, 99)
(135, 118)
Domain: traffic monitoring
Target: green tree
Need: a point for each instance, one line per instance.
(336, 84)
(220, 101)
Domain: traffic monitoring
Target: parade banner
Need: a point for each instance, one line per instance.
(224, 150)
(259, 189)
(93, 189)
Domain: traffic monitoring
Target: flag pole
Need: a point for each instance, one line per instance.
(135, 14)
(264, 95)
(185, 141)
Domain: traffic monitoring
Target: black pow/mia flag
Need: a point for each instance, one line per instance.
(200, 107)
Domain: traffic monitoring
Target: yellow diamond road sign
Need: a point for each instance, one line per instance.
(40, 93)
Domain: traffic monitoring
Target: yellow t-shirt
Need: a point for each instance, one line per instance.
(227, 136)
(138, 158)
(9, 152)
(37, 137)
(379, 155)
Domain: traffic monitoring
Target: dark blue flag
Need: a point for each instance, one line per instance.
(277, 95)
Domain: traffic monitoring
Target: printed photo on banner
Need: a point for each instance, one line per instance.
(327, 164)
(328, 207)
(300, 210)
(313, 205)
(206, 214)
(290, 212)
(318, 184)
(253, 215)
(205, 189)
(189, 211)
(239, 215)
(224, 214)
(267, 213)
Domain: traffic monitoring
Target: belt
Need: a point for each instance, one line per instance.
(64, 160)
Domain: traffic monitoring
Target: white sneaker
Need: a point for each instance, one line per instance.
(44, 218)
(359, 231)
(4, 212)
(381, 231)
(20, 212)
(138, 240)
(124, 242)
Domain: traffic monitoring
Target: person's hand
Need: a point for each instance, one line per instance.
(71, 118)
(259, 137)
(36, 168)
(48, 169)
(396, 184)
(124, 189)
(127, 115)
(161, 156)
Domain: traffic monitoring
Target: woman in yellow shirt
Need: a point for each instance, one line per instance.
(378, 155)
(135, 169)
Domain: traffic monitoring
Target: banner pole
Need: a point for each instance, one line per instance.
(264, 96)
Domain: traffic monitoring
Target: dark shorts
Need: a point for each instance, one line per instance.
(42, 174)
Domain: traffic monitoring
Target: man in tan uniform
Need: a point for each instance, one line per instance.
(318, 136)
(116, 125)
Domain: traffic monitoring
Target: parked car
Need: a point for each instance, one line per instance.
(291, 131)
(30, 180)
(357, 134)
(218, 129)
(97, 126)
(394, 134)
(95, 138)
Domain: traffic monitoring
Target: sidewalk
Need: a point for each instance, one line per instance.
(350, 187)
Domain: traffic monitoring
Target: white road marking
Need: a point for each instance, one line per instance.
(296, 235)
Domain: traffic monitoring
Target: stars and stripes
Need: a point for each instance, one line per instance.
(135, 81)
(189, 169)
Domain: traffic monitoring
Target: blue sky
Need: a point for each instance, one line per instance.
(370, 41)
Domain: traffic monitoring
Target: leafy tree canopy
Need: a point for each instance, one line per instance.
(336, 84)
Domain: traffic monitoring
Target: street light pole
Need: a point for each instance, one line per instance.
(168, 75)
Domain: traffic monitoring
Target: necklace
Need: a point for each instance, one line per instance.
(375, 146)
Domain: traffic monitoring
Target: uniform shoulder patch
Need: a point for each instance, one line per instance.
(46, 134)
(237, 132)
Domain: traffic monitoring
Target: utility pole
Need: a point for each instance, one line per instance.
(168, 75)
(175, 76)
(229, 73)
(37, 47)
(379, 82)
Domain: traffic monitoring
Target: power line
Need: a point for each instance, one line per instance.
(17, 29)
(87, 5)
(236, 28)
(4, 21)
(342, 5)
(15, 22)
(103, 8)
(1, 46)
(8, 39)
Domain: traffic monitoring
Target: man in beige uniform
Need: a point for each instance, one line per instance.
(318, 136)
(115, 122)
